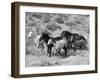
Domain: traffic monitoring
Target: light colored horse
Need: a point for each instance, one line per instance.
(58, 45)
(40, 44)
(36, 40)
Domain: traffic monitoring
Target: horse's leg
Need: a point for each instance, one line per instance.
(74, 49)
(59, 51)
(66, 50)
(45, 48)
(49, 51)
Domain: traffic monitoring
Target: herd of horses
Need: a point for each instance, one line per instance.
(63, 43)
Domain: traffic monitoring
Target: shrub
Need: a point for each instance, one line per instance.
(53, 27)
(66, 17)
(59, 20)
(70, 24)
(31, 19)
(37, 16)
(46, 20)
(32, 24)
(78, 22)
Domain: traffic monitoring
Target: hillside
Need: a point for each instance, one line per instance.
(55, 24)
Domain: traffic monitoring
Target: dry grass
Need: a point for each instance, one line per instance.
(55, 24)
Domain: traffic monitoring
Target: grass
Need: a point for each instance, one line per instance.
(55, 24)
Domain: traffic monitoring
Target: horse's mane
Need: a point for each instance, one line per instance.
(46, 34)
(66, 33)
(57, 38)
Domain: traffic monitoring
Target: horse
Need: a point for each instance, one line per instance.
(45, 38)
(36, 40)
(76, 36)
(77, 45)
(66, 34)
(39, 44)
(75, 41)
(59, 44)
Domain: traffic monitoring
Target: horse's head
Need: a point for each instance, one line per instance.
(38, 44)
(44, 37)
(50, 41)
(36, 40)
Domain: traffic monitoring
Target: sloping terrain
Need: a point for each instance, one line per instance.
(55, 24)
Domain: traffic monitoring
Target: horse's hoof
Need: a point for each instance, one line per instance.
(49, 55)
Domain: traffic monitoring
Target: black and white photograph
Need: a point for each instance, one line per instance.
(51, 39)
(56, 39)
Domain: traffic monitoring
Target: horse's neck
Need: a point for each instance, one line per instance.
(46, 41)
(38, 36)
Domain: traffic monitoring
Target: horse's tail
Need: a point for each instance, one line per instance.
(85, 40)
(85, 44)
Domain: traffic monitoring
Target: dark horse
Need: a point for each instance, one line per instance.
(75, 41)
(45, 38)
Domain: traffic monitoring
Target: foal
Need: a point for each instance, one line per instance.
(58, 45)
